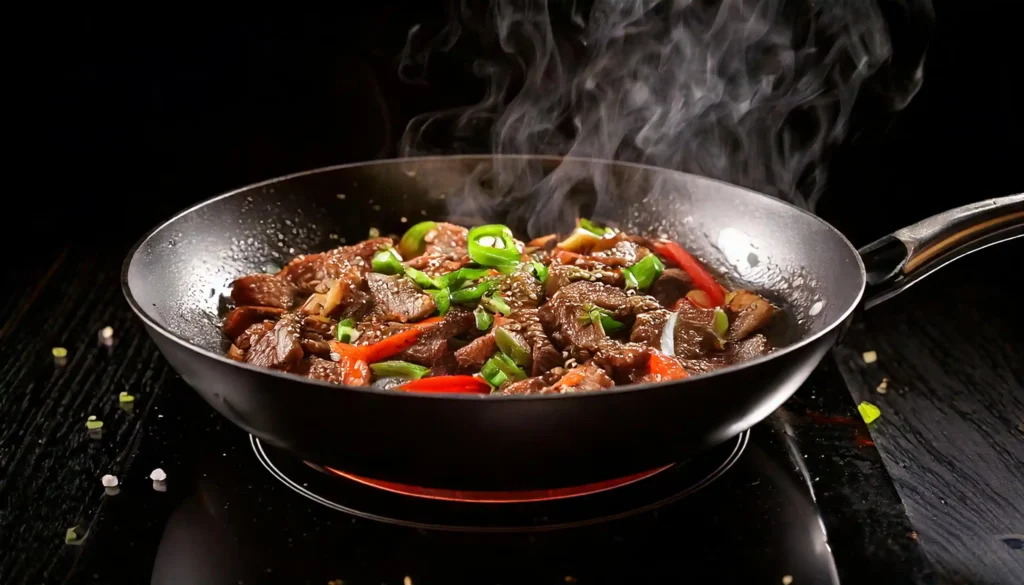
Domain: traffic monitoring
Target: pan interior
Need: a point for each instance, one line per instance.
(181, 273)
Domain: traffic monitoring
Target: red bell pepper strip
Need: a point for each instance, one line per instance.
(566, 257)
(356, 359)
(662, 367)
(449, 384)
(702, 279)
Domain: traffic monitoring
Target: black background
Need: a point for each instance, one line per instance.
(128, 116)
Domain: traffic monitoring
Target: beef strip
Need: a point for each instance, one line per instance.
(446, 239)
(521, 289)
(309, 272)
(316, 347)
(252, 334)
(621, 360)
(326, 370)
(338, 261)
(623, 253)
(648, 327)
(526, 322)
(695, 334)
(358, 304)
(585, 378)
(239, 319)
(527, 386)
(560, 275)
(436, 265)
(316, 334)
(672, 285)
(318, 328)
(398, 299)
(445, 250)
(748, 312)
(266, 290)
(562, 315)
(281, 348)
(476, 352)
(734, 353)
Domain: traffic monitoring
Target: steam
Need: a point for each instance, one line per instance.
(752, 92)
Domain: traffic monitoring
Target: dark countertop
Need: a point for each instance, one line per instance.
(952, 425)
(950, 434)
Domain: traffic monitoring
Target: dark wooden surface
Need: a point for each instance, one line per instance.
(952, 426)
(950, 431)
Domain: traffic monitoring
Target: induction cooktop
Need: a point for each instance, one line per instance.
(801, 498)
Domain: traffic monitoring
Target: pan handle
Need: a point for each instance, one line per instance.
(898, 260)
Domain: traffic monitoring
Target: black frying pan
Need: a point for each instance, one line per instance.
(176, 276)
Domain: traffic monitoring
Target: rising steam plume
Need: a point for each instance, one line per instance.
(753, 92)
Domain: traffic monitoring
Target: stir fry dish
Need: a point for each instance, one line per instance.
(456, 310)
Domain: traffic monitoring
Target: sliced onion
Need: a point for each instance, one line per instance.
(333, 297)
(579, 240)
(668, 335)
(313, 304)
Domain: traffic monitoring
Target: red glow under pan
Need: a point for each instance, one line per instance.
(497, 497)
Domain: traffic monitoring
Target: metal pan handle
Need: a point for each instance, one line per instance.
(897, 261)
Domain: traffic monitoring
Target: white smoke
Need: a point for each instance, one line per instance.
(752, 92)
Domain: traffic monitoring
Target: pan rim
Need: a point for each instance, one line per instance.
(778, 353)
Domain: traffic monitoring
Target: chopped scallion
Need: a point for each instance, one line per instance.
(400, 369)
(483, 319)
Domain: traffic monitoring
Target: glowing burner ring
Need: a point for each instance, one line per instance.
(499, 497)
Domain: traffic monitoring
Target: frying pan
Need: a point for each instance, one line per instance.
(177, 276)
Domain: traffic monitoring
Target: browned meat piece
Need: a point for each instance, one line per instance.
(672, 285)
(266, 290)
(432, 345)
(748, 312)
(526, 322)
(623, 253)
(737, 352)
(309, 272)
(447, 239)
(437, 265)
(553, 375)
(476, 352)
(527, 386)
(445, 250)
(648, 327)
(281, 348)
(252, 334)
(622, 359)
(398, 299)
(318, 328)
(316, 347)
(316, 335)
(357, 304)
(326, 370)
(521, 289)
(302, 272)
(583, 378)
(338, 262)
(560, 275)
(695, 334)
(749, 348)
(616, 301)
(239, 319)
(562, 313)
